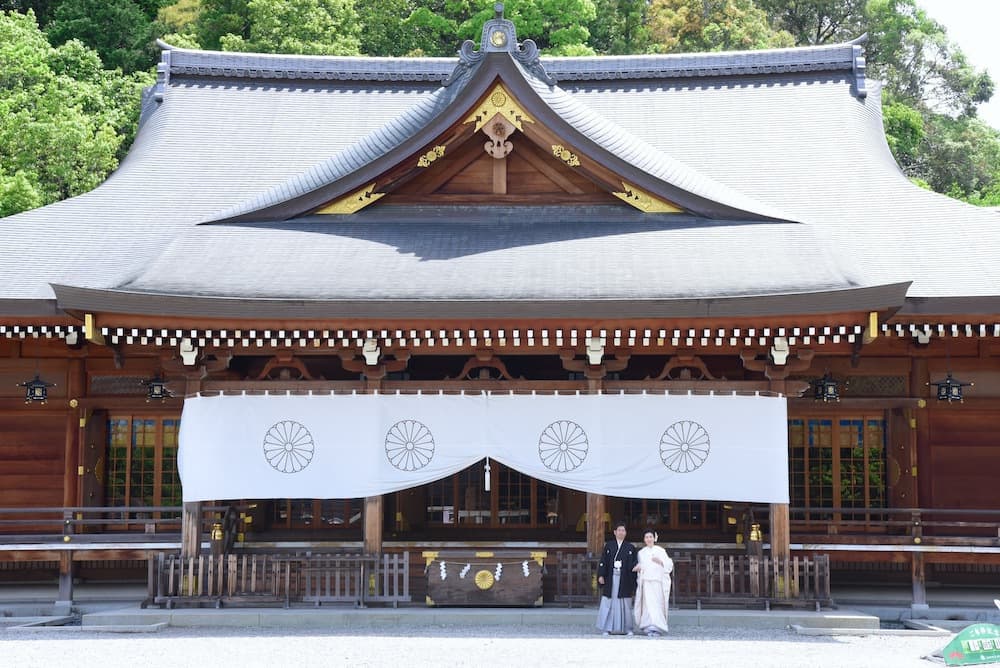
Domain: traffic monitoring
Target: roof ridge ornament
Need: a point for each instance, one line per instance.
(499, 36)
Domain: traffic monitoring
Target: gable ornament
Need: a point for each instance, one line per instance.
(643, 201)
(353, 202)
(498, 116)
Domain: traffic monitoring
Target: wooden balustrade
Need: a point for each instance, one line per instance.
(211, 580)
(714, 579)
(256, 579)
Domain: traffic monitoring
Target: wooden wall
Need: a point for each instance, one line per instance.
(32, 457)
(962, 457)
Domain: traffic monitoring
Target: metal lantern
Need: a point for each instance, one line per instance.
(950, 389)
(36, 390)
(826, 389)
(156, 389)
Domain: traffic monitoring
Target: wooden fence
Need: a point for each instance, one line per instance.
(714, 579)
(257, 579)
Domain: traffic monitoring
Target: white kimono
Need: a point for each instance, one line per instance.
(652, 594)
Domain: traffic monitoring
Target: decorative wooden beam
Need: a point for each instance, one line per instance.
(499, 102)
(90, 331)
(498, 130)
(353, 202)
(484, 359)
(283, 361)
(871, 329)
(564, 154)
(427, 158)
(643, 201)
(593, 371)
(686, 362)
(356, 363)
(800, 360)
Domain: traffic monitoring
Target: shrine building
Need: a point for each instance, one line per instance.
(498, 302)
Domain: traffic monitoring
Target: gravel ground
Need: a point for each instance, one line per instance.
(482, 646)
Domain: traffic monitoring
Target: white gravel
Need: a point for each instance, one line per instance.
(475, 646)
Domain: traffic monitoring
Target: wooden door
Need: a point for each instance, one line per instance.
(94, 458)
(901, 446)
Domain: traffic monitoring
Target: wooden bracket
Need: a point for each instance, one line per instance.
(617, 362)
(484, 360)
(355, 363)
(686, 362)
(284, 362)
(798, 361)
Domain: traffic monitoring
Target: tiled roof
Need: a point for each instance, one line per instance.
(786, 134)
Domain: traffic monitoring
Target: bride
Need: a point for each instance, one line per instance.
(653, 591)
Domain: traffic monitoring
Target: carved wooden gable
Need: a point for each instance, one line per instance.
(498, 153)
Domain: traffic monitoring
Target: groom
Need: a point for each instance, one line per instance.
(617, 581)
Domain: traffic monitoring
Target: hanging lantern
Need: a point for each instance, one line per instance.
(950, 389)
(36, 390)
(156, 389)
(826, 389)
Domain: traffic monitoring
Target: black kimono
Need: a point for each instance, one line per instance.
(615, 612)
(629, 558)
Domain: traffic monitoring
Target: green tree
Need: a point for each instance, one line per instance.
(119, 30)
(919, 64)
(321, 27)
(817, 21)
(620, 27)
(42, 8)
(180, 18)
(222, 17)
(904, 130)
(712, 25)
(930, 90)
(961, 157)
(67, 121)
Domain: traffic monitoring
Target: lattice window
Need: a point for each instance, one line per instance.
(142, 461)
(836, 463)
(876, 386)
(125, 385)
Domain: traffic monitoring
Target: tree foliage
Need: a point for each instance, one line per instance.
(67, 121)
(318, 27)
(621, 27)
(119, 30)
(930, 90)
(817, 21)
(712, 25)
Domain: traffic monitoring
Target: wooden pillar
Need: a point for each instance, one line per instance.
(65, 601)
(374, 521)
(191, 529)
(596, 507)
(919, 377)
(919, 584)
(500, 176)
(780, 533)
(76, 387)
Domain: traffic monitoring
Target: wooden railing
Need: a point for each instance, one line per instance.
(714, 579)
(84, 523)
(877, 524)
(205, 579)
(900, 523)
(256, 579)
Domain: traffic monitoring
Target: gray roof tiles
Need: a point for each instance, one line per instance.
(798, 142)
(485, 254)
(364, 68)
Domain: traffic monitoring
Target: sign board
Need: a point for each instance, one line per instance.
(975, 645)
